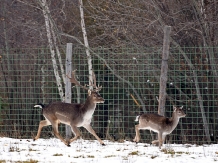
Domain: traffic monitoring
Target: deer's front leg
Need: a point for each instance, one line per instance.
(160, 139)
(89, 128)
(163, 138)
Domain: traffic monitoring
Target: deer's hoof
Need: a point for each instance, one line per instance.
(68, 145)
(136, 142)
(103, 144)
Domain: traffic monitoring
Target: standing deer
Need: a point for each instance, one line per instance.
(75, 115)
(159, 124)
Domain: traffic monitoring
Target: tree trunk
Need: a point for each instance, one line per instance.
(46, 12)
(86, 43)
(164, 69)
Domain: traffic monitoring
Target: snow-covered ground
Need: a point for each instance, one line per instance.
(90, 151)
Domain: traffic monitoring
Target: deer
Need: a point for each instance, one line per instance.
(161, 125)
(73, 114)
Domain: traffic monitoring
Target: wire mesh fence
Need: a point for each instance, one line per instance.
(130, 79)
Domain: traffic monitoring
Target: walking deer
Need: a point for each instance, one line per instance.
(75, 115)
(159, 124)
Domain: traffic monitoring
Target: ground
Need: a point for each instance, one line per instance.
(90, 151)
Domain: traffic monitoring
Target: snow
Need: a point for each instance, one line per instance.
(90, 151)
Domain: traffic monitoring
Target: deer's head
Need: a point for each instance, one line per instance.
(95, 96)
(179, 111)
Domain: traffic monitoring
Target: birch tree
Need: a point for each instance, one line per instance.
(54, 50)
(86, 43)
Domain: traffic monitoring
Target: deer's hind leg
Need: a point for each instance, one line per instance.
(76, 133)
(155, 142)
(137, 136)
(56, 132)
(41, 125)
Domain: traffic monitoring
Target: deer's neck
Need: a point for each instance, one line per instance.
(88, 110)
(174, 120)
(88, 105)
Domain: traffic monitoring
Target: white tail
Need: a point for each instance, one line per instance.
(137, 118)
(75, 115)
(39, 105)
(159, 124)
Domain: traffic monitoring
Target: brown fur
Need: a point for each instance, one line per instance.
(75, 115)
(159, 124)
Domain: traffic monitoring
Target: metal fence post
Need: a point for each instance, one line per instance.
(68, 93)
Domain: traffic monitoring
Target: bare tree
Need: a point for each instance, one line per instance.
(52, 41)
(86, 43)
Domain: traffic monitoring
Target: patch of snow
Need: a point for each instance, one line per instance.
(90, 151)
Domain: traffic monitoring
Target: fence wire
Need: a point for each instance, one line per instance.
(130, 79)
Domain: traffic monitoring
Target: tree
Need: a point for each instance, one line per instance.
(86, 43)
(54, 49)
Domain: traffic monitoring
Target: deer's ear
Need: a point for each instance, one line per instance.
(89, 92)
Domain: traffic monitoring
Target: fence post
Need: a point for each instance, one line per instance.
(164, 69)
(68, 93)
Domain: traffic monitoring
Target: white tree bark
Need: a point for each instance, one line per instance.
(57, 50)
(45, 10)
(86, 43)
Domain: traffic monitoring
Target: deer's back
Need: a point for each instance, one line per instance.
(152, 117)
(65, 109)
(154, 120)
